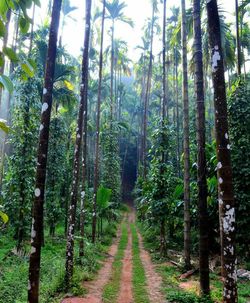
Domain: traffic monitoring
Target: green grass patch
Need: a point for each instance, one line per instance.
(14, 269)
(139, 277)
(111, 289)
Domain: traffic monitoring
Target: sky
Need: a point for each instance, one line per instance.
(137, 10)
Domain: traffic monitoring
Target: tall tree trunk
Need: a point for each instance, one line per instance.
(112, 74)
(224, 169)
(238, 38)
(81, 125)
(37, 218)
(97, 143)
(32, 28)
(146, 102)
(186, 137)
(201, 138)
(164, 97)
(177, 113)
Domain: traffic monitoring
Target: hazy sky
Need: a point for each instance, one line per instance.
(137, 10)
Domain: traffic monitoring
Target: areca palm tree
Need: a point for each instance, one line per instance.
(115, 13)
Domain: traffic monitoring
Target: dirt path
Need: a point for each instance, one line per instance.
(126, 294)
(95, 287)
(154, 280)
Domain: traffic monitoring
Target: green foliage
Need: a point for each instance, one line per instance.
(111, 174)
(18, 184)
(55, 183)
(3, 126)
(239, 117)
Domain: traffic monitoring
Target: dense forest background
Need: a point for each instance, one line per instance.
(83, 137)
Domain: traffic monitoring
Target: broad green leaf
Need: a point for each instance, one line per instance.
(10, 54)
(28, 69)
(2, 29)
(69, 85)
(4, 126)
(4, 217)
(103, 196)
(24, 25)
(6, 83)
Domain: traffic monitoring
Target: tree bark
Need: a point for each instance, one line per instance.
(186, 138)
(224, 169)
(201, 160)
(37, 218)
(238, 48)
(146, 102)
(97, 143)
(164, 97)
(81, 127)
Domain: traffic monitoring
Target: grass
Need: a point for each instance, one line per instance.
(171, 281)
(14, 269)
(111, 289)
(139, 277)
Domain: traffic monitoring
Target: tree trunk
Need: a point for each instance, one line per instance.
(37, 220)
(177, 114)
(146, 102)
(81, 125)
(112, 74)
(97, 143)
(201, 138)
(186, 138)
(238, 49)
(224, 169)
(164, 97)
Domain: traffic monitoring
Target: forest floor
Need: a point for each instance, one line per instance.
(127, 275)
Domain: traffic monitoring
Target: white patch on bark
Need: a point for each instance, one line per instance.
(41, 127)
(45, 91)
(219, 165)
(33, 250)
(220, 201)
(220, 180)
(45, 107)
(82, 194)
(29, 286)
(228, 146)
(33, 233)
(215, 58)
(78, 136)
(226, 135)
(37, 192)
(229, 220)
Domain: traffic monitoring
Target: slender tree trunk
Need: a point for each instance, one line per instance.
(32, 29)
(112, 74)
(97, 143)
(238, 48)
(37, 217)
(164, 97)
(146, 102)
(224, 169)
(81, 124)
(177, 114)
(186, 138)
(201, 138)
